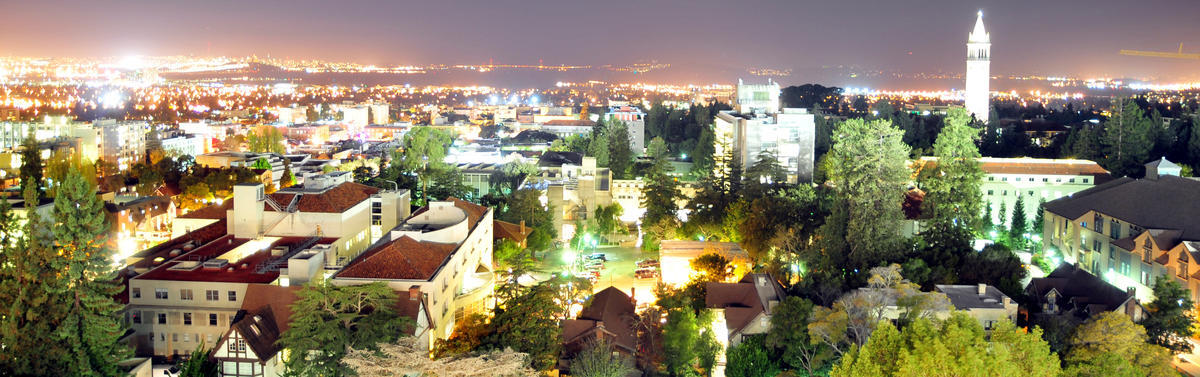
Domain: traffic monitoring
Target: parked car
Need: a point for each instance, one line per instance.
(596, 256)
(646, 274)
(647, 263)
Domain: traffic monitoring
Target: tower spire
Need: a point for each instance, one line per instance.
(979, 34)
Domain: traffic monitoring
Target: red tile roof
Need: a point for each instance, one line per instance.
(334, 200)
(474, 211)
(402, 259)
(240, 271)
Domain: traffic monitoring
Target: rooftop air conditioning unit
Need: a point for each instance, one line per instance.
(216, 263)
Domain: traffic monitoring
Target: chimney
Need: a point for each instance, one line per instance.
(414, 292)
(982, 289)
(522, 227)
(1132, 291)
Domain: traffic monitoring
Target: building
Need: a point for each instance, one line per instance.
(1036, 179)
(983, 302)
(181, 145)
(443, 251)
(757, 98)
(311, 134)
(979, 61)
(1131, 232)
(790, 136)
(248, 347)
(188, 291)
(741, 309)
(1075, 294)
(635, 121)
(609, 316)
(122, 143)
(676, 256)
(564, 128)
(139, 223)
(573, 187)
(328, 205)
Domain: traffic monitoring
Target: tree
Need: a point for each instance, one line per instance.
(789, 337)
(329, 320)
(712, 267)
(688, 342)
(31, 165)
(750, 359)
(1169, 317)
(199, 364)
(954, 188)
(599, 360)
(468, 336)
(1039, 218)
(32, 310)
(620, 152)
(88, 326)
(422, 152)
(765, 174)
(525, 205)
(598, 147)
(870, 173)
(855, 316)
(261, 164)
(1127, 139)
(288, 179)
(1112, 338)
(1017, 227)
(661, 190)
(528, 323)
(264, 139)
(957, 346)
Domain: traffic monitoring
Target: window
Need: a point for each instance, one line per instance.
(135, 292)
(1030, 192)
(212, 319)
(187, 337)
(1045, 179)
(989, 192)
(1114, 229)
(1004, 193)
(160, 293)
(232, 295)
(1145, 278)
(1096, 245)
(1005, 179)
(212, 295)
(185, 294)
(991, 179)
(1085, 180)
(187, 318)
(1072, 180)
(136, 316)
(1183, 264)
(1147, 251)
(1099, 221)
(238, 345)
(174, 337)
(1031, 179)
(162, 318)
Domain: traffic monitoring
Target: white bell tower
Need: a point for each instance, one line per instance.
(979, 61)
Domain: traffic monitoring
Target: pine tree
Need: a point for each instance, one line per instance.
(1126, 139)
(1018, 227)
(955, 192)
(31, 312)
(329, 320)
(32, 166)
(598, 148)
(661, 189)
(90, 325)
(1039, 219)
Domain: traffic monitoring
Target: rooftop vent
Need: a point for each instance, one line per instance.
(216, 263)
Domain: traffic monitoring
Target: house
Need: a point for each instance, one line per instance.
(745, 307)
(609, 315)
(443, 250)
(1131, 232)
(1071, 291)
(518, 233)
(983, 302)
(249, 347)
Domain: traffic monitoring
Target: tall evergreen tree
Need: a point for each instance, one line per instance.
(1126, 139)
(954, 189)
(89, 325)
(869, 170)
(329, 320)
(1039, 218)
(661, 189)
(29, 318)
(598, 147)
(620, 153)
(32, 166)
(1169, 317)
(1017, 227)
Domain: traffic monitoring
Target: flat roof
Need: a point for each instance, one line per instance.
(243, 270)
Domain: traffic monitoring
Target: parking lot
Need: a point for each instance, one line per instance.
(619, 267)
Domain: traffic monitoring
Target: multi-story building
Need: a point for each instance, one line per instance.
(789, 135)
(139, 223)
(565, 128)
(635, 121)
(181, 145)
(443, 251)
(1131, 232)
(757, 98)
(122, 143)
(1037, 179)
(311, 134)
(188, 291)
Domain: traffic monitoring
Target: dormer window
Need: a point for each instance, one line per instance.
(1183, 264)
(1147, 251)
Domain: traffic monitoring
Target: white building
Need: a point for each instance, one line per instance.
(790, 135)
(122, 143)
(443, 251)
(979, 61)
(184, 145)
(757, 98)
(635, 121)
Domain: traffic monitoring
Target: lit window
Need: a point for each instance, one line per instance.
(185, 294)
(187, 318)
(160, 293)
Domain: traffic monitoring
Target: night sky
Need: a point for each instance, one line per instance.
(1077, 38)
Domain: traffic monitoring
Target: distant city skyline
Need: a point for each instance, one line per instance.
(1030, 37)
